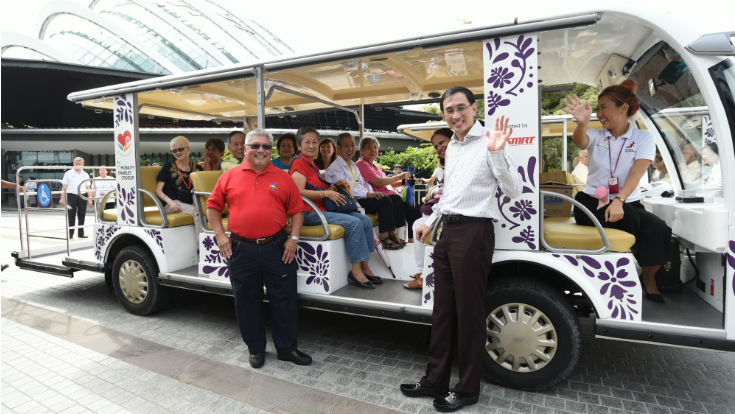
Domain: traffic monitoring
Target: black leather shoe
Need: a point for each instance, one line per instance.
(377, 280)
(81, 236)
(655, 297)
(365, 285)
(453, 402)
(257, 360)
(418, 390)
(295, 356)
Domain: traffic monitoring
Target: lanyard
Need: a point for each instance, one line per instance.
(354, 184)
(313, 167)
(612, 170)
(188, 185)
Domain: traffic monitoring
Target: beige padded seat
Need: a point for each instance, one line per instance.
(148, 182)
(564, 233)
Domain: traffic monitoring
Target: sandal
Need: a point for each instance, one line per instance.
(417, 283)
(389, 244)
(394, 237)
(416, 276)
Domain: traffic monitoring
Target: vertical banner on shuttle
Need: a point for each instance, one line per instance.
(511, 89)
(126, 158)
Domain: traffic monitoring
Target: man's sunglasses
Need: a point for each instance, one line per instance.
(259, 146)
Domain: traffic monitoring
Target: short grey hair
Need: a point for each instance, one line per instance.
(181, 140)
(258, 132)
(367, 140)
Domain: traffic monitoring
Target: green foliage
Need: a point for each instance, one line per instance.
(423, 158)
(552, 103)
(432, 108)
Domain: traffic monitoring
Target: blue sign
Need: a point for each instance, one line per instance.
(44, 195)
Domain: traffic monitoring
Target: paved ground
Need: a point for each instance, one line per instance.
(67, 346)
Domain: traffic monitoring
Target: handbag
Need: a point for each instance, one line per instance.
(668, 278)
(350, 205)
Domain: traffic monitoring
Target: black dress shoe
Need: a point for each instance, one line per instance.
(418, 390)
(655, 297)
(453, 402)
(257, 360)
(295, 356)
(81, 236)
(365, 285)
(377, 280)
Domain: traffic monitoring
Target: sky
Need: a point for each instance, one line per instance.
(320, 25)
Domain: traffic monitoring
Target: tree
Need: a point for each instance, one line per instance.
(423, 158)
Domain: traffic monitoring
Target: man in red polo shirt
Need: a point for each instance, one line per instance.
(260, 196)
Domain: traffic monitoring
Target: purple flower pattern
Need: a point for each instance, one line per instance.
(156, 236)
(123, 110)
(429, 280)
(102, 236)
(731, 262)
(500, 76)
(217, 265)
(523, 210)
(315, 262)
(126, 200)
(616, 284)
(526, 236)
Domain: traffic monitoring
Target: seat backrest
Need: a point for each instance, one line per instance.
(148, 182)
(205, 181)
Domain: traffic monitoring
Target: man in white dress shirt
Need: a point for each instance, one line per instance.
(77, 205)
(477, 163)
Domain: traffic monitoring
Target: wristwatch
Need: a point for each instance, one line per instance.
(294, 238)
(622, 200)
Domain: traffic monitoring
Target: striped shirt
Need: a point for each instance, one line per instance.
(472, 176)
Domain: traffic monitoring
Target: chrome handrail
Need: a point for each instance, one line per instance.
(141, 210)
(198, 207)
(325, 224)
(605, 242)
(101, 211)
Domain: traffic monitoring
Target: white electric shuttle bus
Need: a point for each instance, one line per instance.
(548, 274)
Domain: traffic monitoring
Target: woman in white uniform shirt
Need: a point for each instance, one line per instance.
(619, 155)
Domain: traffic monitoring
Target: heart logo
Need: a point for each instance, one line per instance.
(123, 140)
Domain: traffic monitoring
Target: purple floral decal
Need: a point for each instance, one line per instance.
(495, 101)
(731, 262)
(521, 210)
(616, 286)
(217, 265)
(526, 236)
(156, 236)
(709, 130)
(126, 201)
(102, 236)
(123, 110)
(429, 280)
(502, 76)
(315, 262)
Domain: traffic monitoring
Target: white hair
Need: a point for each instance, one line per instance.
(258, 132)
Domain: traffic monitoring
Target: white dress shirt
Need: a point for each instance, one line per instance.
(472, 175)
(72, 178)
(339, 170)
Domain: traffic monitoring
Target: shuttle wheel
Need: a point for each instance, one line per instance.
(135, 281)
(533, 337)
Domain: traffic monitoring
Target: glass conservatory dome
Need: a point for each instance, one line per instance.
(155, 36)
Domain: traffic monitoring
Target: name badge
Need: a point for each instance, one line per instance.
(612, 185)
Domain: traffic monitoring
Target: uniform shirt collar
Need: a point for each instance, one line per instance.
(627, 135)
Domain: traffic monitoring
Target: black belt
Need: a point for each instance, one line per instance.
(261, 240)
(458, 218)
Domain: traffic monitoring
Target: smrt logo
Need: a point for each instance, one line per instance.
(521, 140)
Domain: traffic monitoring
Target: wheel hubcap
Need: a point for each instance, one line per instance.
(133, 281)
(520, 338)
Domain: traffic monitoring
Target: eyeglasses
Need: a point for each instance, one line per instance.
(460, 109)
(266, 147)
(178, 150)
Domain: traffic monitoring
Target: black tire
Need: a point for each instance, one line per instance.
(513, 355)
(135, 281)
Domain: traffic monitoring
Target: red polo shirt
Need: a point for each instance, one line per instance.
(258, 202)
(309, 170)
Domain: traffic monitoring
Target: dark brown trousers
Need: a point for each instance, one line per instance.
(462, 260)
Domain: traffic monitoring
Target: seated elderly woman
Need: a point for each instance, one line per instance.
(358, 227)
(214, 148)
(174, 185)
(344, 169)
(382, 184)
(286, 146)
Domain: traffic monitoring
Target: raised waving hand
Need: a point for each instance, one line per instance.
(579, 109)
(496, 140)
